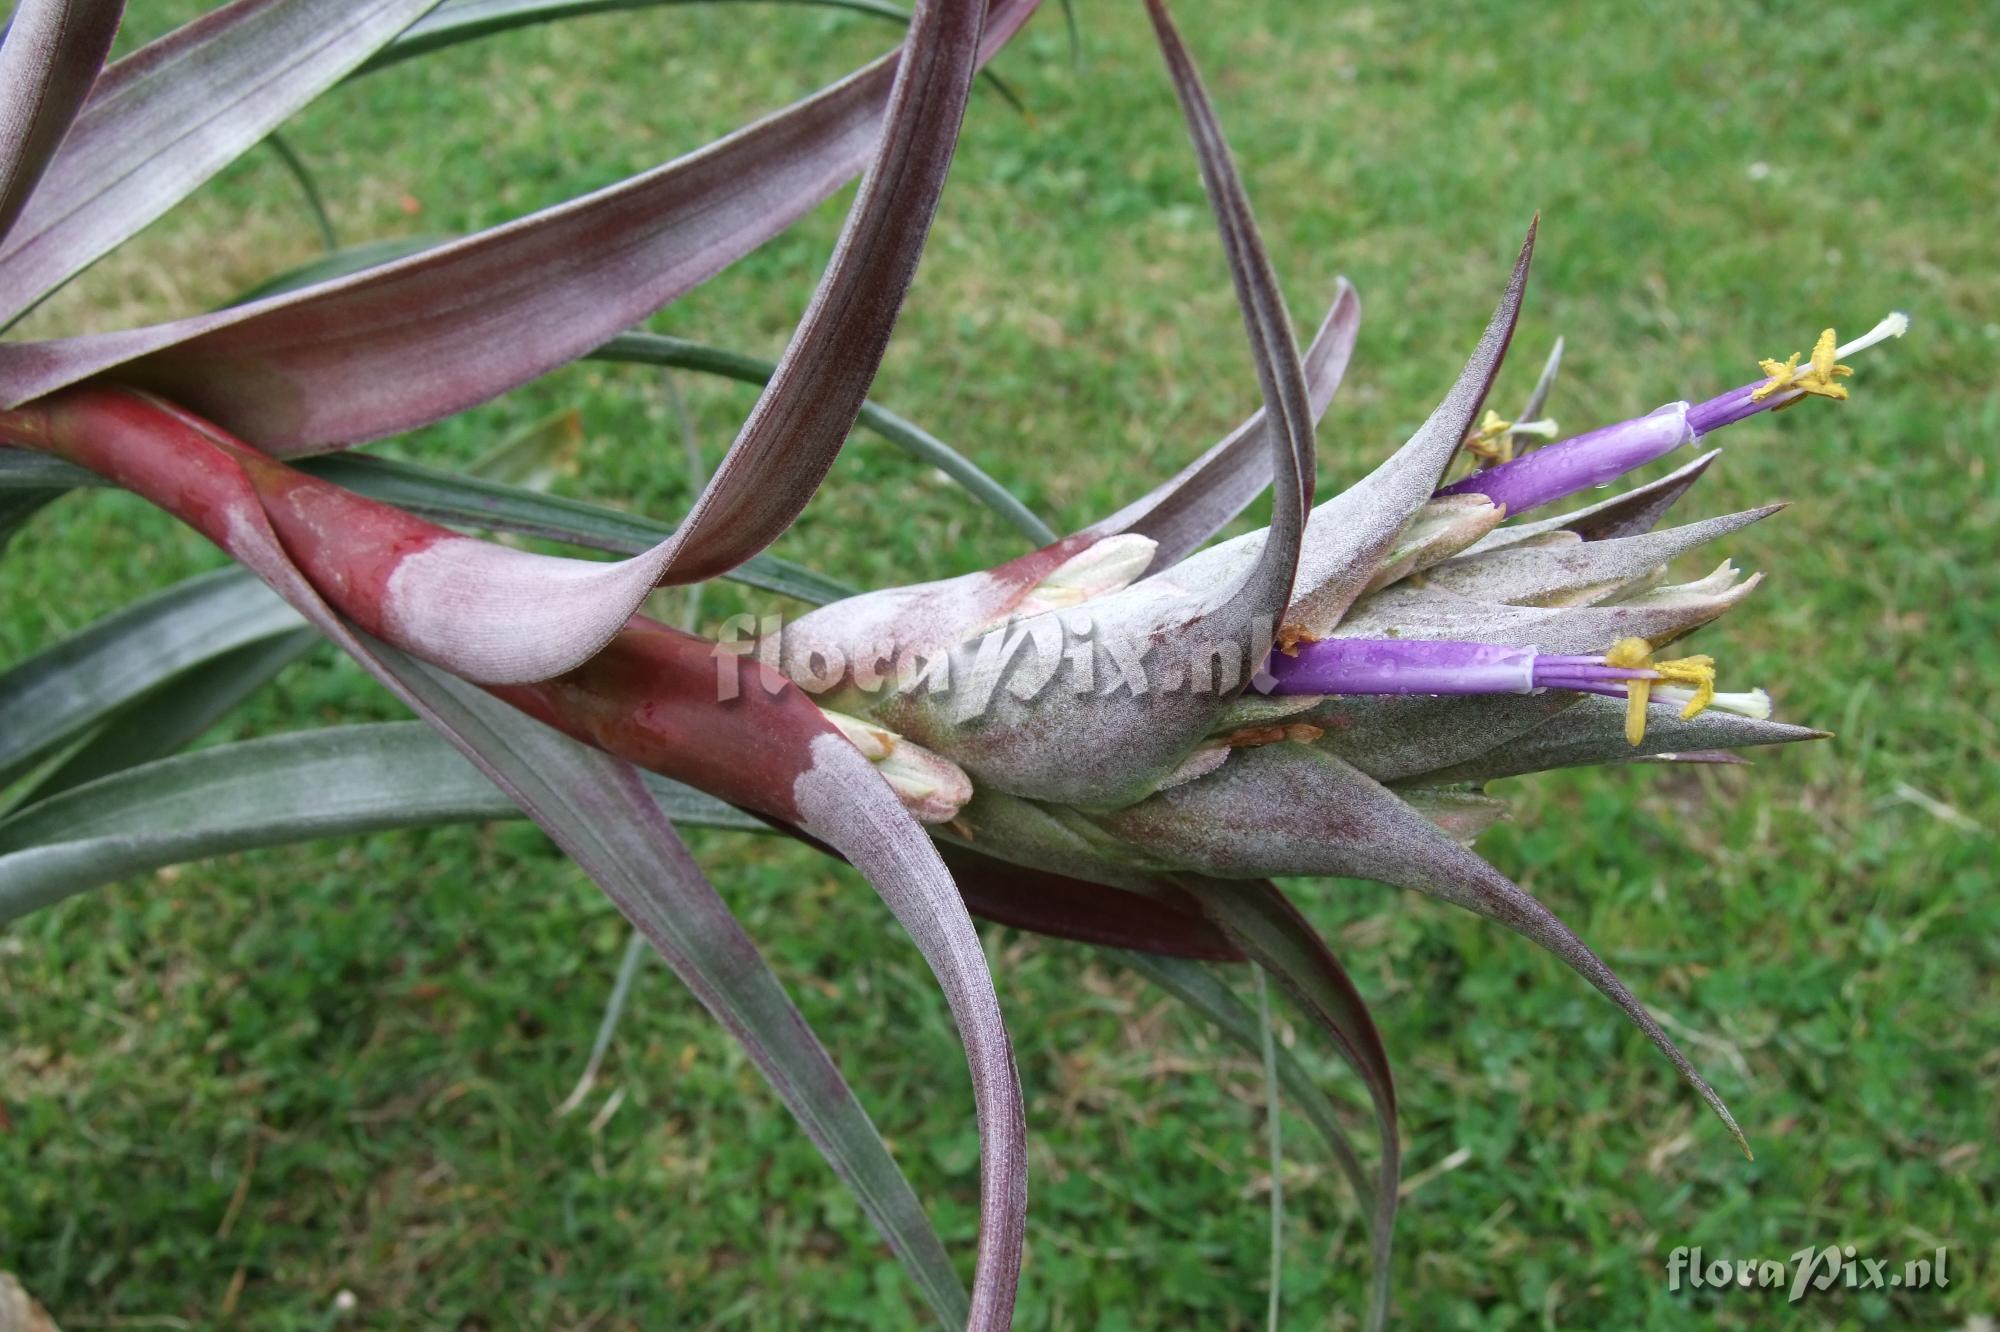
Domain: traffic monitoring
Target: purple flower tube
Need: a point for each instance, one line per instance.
(1594, 459)
(1602, 456)
(1416, 666)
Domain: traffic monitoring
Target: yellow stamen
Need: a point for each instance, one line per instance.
(1633, 654)
(1636, 654)
(1489, 441)
(1817, 380)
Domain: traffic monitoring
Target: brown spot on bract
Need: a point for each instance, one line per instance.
(1291, 635)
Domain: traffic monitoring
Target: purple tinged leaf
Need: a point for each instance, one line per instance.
(842, 802)
(1291, 809)
(415, 340)
(1628, 514)
(1064, 907)
(1288, 409)
(804, 414)
(496, 615)
(1079, 903)
(154, 128)
(599, 810)
(1579, 572)
(1353, 531)
(52, 54)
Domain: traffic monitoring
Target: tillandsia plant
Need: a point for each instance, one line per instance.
(1118, 738)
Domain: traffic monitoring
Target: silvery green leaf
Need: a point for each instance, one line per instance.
(1408, 610)
(1201, 989)
(1460, 815)
(904, 434)
(295, 787)
(1444, 526)
(17, 506)
(1579, 572)
(1390, 737)
(1044, 837)
(1275, 935)
(62, 691)
(1593, 731)
(456, 21)
(174, 713)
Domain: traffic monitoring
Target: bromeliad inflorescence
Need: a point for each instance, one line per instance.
(1116, 738)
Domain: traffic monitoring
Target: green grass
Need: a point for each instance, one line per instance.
(238, 1088)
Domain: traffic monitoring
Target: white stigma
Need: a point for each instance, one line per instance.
(1895, 325)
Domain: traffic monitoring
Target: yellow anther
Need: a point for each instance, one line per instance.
(1489, 441)
(1633, 654)
(1816, 380)
(1636, 654)
(1782, 374)
(1698, 672)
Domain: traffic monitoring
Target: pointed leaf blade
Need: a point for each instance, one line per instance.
(153, 128)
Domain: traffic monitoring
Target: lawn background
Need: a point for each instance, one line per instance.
(238, 1088)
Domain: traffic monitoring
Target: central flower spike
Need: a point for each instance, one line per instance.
(1397, 666)
(1601, 456)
